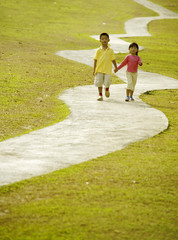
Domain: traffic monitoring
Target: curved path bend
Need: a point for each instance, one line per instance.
(93, 128)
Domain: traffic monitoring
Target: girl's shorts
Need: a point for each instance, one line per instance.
(102, 79)
(131, 80)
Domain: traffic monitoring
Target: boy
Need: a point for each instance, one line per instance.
(103, 60)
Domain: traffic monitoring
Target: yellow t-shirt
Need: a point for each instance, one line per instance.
(104, 60)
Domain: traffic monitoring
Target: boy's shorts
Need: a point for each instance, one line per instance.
(131, 80)
(102, 79)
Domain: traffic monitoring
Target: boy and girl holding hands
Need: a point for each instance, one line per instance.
(103, 60)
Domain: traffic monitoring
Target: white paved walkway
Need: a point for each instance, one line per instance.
(93, 128)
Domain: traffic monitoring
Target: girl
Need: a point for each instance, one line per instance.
(132, 61)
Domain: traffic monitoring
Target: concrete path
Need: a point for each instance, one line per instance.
(93, 128)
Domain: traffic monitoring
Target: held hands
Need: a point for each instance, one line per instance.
(115, 70)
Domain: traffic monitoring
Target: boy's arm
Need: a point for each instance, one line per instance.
(94, 67)
(115, 65)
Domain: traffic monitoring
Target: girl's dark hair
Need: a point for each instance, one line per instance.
(134, 45)
(104, 34)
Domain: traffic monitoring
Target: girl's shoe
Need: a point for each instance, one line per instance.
(131, 99)
(127, 99)
(100, 98)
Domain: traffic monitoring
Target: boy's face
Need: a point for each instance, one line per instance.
(104, 40)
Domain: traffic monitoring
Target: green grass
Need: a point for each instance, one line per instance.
(126, 195)
(171, 5)
(129, 194)
(31, 75)
(160, 53)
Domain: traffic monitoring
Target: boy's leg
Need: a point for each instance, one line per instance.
(107, 83)
(107, 93)
(100, 90)
(99, 83)
(100, 98)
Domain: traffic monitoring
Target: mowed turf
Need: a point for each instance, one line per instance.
(129, 194)
(32, 76)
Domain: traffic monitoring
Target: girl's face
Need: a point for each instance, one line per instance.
(104, 40)
(133, 50)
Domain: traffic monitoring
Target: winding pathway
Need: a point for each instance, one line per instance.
(93, 128)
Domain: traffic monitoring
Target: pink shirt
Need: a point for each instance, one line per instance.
(132, 62)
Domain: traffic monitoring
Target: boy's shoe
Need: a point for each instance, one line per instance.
(107, 93)
(127, 99)
(100, 98)
(131, 99)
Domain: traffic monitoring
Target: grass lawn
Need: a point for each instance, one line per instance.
(129, 194)
(32, 76)
(160, 53)
(171, 5)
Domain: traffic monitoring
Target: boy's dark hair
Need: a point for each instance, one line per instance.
(134, 44)
(104, 34)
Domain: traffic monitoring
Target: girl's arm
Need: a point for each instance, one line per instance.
(123, 63)
(94, 67)
(140, 61)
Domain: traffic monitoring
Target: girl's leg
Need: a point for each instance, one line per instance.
(131, 93)
(128, 92)
(127, 95)
(134, 81)
(129, 85)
